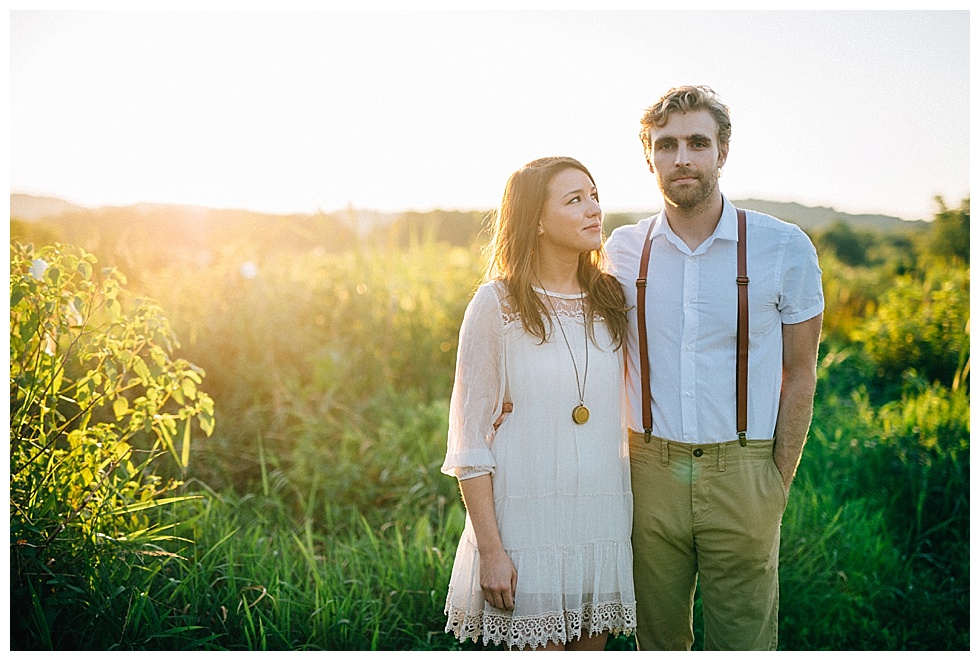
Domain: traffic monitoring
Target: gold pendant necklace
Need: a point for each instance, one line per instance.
(580, 414)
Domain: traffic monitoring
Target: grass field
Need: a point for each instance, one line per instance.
(240, 450)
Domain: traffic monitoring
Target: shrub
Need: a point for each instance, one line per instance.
(96, 400)
(921, 324)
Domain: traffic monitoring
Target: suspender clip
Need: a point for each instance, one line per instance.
(646, 435)
(741, 438)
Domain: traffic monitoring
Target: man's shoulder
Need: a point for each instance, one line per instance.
(765, 222)
(768, 233)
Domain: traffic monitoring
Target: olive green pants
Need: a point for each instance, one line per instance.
(708, 513)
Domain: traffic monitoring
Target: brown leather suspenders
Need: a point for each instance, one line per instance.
(641, 322)
(742, 357)
(742, 335)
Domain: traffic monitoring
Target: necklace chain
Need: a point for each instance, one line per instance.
(580, 388)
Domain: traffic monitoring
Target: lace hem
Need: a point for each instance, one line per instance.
(537, 631)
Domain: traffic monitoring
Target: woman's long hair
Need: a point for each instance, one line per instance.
(512, 252)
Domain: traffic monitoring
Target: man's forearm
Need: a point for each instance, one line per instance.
(800, 344)
(792, 425)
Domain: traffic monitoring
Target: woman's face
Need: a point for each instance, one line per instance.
(571, 221)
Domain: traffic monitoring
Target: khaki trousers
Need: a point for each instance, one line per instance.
(708, 513)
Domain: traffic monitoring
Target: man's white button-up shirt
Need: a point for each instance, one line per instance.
(692, 309)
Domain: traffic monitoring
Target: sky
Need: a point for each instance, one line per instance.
(299, 111)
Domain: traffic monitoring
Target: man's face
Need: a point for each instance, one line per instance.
(686, 158)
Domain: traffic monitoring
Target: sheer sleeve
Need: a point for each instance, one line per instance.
(477, 397)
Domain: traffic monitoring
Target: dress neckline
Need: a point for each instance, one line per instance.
(554, 294)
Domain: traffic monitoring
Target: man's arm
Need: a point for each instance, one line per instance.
(800, 345)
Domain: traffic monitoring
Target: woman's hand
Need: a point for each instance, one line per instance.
(508, 408)
(498, 579)
(498, 576)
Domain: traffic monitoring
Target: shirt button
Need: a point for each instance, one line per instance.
(698, 452)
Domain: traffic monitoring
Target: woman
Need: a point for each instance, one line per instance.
(545, 560)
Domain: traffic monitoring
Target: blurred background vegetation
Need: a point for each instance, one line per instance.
(226, 431)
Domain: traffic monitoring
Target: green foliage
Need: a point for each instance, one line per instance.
(95, 400)
(893, 476)
(850, 246)
(262, 577)
(310, 354)
(921, 324)
(950, 234)
(324, 522)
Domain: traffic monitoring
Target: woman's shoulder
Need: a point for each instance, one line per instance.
(491, 290)
(490, 295)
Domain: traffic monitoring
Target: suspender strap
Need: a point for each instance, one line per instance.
(742, 335)
(742, 357)
(641, 320)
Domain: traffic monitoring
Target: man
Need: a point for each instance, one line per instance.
(708, 501)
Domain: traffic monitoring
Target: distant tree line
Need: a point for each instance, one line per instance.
(947, 237)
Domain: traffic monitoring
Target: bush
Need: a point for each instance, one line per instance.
(921, 324)
(96, 400)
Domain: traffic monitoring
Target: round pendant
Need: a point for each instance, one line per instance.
(580, 414)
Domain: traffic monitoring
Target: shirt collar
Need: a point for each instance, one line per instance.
(727, 228)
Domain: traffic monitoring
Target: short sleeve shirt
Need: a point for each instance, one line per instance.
(692, 308)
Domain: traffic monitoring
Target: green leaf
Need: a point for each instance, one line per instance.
(189, 388)
(145, 505)
(185, 450)
(207, 404)
(120, 407)
(206, 422)
(159, 356)
(167, 437)
(142, 370)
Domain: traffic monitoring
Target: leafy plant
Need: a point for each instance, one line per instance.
(96, 399)
(921, 324)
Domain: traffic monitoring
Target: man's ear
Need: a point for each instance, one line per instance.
(722, 155)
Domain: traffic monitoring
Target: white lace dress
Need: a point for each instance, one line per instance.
(561, 490)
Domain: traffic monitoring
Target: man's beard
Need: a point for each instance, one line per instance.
(688, 197)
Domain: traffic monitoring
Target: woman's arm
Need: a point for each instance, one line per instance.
(498, 577)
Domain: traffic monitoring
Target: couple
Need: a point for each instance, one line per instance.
(675, 474)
